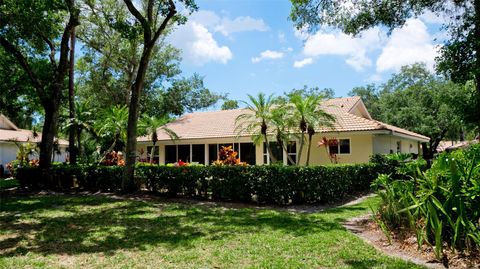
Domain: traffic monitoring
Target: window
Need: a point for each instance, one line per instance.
(342, 147)
(198, 153)
(183, 153)
(277, 152)
(247, 153)
(155, 154)
(333, 149)
(399, 146)
(212, 153)
(292, 152)
(171, 154)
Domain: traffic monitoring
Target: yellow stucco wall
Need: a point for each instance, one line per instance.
(385, 144)
(362, 146)
(360, 149)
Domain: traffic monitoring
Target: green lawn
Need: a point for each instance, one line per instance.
(99, 232)
(8, 183)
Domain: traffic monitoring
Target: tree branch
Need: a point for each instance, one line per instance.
(50, 46)
(171, 12)
(147, 32)
(9, 47)
(64, 48)
(150, 11)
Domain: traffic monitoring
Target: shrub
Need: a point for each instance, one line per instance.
(66, 177)
(441, 205)
(261, 184)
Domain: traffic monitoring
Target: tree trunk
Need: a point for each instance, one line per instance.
(71, 102)
(133, 113)
(302, 142)
(48, 135)
(79, 144)
(308, 149)
(269, 150)
(285, 149)
(152, 152)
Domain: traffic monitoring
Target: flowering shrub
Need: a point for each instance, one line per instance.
(327, 143)
(180, 163)
(113, 158)
(227, 156)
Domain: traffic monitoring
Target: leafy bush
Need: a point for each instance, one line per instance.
(262, 184)
(66, 177)
(441, 205)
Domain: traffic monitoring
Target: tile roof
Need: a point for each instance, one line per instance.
(9, 132)
(217, 124)
(22, 135)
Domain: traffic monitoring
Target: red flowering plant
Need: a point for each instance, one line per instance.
(113, 158)
(227, 156)
(181, 163)
(327, 143)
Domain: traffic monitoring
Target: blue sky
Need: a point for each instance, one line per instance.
(248, 46)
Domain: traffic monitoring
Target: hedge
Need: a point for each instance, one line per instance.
(261, 184)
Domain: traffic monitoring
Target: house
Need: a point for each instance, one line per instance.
(449, 145)
(201, 134)
(11, 136)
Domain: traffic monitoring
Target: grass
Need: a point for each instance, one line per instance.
(64, 231)
(8, 183)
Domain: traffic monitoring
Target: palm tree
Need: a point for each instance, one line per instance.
(321, 119)
(113, 125)
(257, 119)
(308, 115)
(282, 123)
(83, 121)
(149, 126)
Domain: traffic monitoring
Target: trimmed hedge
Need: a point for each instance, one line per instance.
(262, 184)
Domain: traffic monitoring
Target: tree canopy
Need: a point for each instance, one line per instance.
(420, 101)
(459, 57)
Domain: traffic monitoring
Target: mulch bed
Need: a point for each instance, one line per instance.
(405, 246)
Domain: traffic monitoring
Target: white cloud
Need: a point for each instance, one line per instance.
(198, 45)
(205, 17)
(336, 43)
(196, 38)
(240, 24)
(407, 45)
(268, 54)
(302, 63)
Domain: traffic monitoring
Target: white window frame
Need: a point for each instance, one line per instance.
(338, 146)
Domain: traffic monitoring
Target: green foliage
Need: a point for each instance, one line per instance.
(153, 233)
(459, 57)
(419, 101)
(261, 184)
(441, 205)
(230, 104)
(66, 177)
(16, 100)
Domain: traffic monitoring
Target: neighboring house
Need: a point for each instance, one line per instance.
(448, 145)
(201, 134)
(11, 135)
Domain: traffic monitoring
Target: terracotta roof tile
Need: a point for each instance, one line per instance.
(22, 135)
(216, 124)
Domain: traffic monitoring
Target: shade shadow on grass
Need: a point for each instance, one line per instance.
(89, 224)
